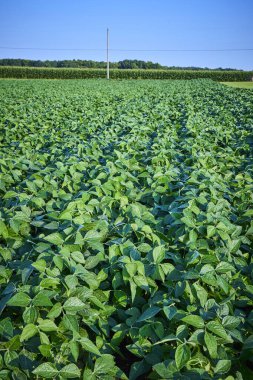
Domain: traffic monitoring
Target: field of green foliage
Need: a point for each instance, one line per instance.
(126, 230)
(75, 73)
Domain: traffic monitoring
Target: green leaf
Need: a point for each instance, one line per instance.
(78, 257)
(74, 304)
(71, 281)
(13, 344)
(210, 231)
(231, 323)
(19, 299)
(182, 355)
(194, 320)
(248, 213)
(74, 348)
(30, 314)
(193, 236)
(144, 247)
(41, 299)
(131, 268)
(6, 328)
(211, 344)
(133, 290)
(104, 365)
(5, 375)
(141, 281)
(49, 283)
(188, 221)
(89, 346)
(65, 215)
(216, 328)
(70, 322)
(170, 311)
(10, 194)
(158, 254)
(149, 313)
(47, 325)
(70, 371)
(46, 370)
(45, 350)
(165, 369)
(55, 311)
(93, 261)
(58, 261)
(28, 331)
(223, 284)
(92, 235)
(3, 230)
(44, 339)
(40, 265)
(234, 245)
(52, 226)
(79, 239)
(224, 267)
(88, 374)
(201, 294)
(54, 238)
(223, 366)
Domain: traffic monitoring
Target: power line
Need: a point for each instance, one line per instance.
(128, 50)
(37, 48)
(190, 50)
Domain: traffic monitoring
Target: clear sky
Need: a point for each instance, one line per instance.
(133, 24)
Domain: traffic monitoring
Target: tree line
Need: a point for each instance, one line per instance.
(79, 63)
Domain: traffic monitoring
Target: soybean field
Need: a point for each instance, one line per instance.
(126, 230)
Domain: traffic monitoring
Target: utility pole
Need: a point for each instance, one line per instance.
(107, 51)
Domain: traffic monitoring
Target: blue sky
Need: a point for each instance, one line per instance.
(133, 24)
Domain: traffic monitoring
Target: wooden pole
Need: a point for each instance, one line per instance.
(107, 51)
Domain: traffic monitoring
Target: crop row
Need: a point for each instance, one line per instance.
(65, 73)
(126, 230)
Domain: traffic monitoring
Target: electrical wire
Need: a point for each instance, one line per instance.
(56, 49)
(129, 50)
